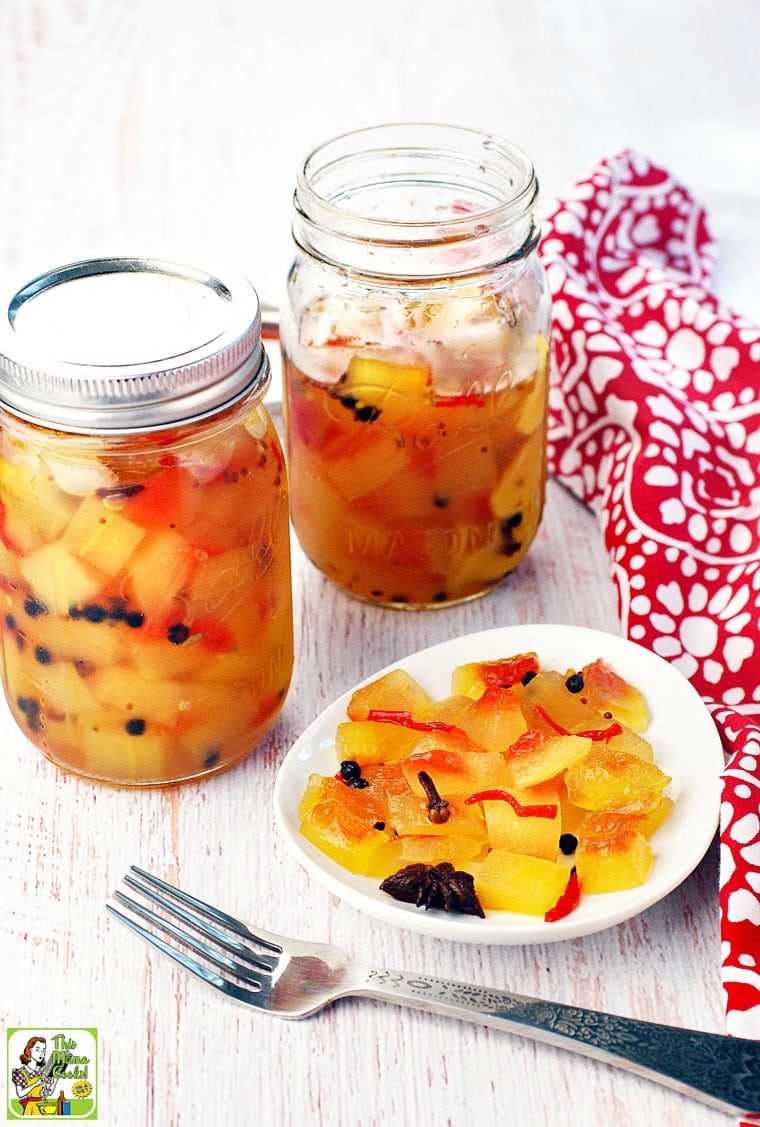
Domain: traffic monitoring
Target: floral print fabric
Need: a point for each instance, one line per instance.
(655, 423)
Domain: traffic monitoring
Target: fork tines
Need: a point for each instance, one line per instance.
(247, 962)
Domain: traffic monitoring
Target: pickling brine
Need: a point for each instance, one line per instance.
(145, 592)
(145, 596)
(404, 495)
(416, 372)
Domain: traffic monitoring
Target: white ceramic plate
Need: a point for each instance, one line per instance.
(686, 746)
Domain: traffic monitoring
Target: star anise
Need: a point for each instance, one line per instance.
(434, 886)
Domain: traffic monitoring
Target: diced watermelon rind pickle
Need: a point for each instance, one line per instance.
(160, 581)
(418, 463)
(547, 784)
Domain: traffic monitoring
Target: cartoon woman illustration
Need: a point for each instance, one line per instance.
(33, 1084)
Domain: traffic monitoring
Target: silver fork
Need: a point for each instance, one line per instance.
(294, 979)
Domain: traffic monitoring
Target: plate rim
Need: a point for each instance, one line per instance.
(502, 927)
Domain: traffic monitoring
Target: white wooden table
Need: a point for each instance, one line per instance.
(179, 123)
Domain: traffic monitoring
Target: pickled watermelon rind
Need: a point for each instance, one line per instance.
(687, 747)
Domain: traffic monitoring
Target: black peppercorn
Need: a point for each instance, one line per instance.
(178, 633)
(351, 774)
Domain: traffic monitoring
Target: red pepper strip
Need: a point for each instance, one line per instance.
(544, 810)
(461, 401)
(596, 734)
(601, 734)
(332, 342)
(388, 716)
(567, 901)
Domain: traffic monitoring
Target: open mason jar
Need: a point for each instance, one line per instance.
(415, 343)
(147, 632)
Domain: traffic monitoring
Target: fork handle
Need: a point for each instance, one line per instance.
(722, 1072)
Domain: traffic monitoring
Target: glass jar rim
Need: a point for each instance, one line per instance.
(471, 149)
(461, 201)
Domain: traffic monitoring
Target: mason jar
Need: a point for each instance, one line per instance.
(415, 347)
(147, 631)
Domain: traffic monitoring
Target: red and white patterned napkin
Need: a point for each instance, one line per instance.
(655, 423)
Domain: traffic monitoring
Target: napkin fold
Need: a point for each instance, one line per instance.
(655, 424)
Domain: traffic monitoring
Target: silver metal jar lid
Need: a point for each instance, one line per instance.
(129, 343)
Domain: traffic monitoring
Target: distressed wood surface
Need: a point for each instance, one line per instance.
(173, 1052)
(179, 123)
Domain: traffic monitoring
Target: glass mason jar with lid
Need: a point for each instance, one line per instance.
(147, 632)
(415, 342)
